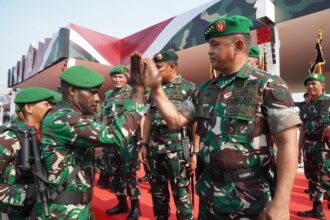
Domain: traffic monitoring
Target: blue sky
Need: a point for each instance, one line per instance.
(24, 22)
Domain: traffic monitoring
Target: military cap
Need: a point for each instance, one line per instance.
(254, 51)
(121, 69)
(147, 89)
(32, 95)
(166, 56)
(228, 26)
(314, 77)
(82, 77)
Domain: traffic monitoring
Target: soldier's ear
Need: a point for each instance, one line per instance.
(239, 45)
(27, 109)
(72, 90)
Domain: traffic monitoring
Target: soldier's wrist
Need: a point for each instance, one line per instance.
(194, 153)
(142, 144)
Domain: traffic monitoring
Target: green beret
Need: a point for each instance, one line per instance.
(33, 94)
(166, 56)
(314, 77)
(228, 26)
(254, 51)
(82, 77)
(147, 89)
(118, 70)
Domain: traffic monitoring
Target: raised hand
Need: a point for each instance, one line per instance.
(138, 71)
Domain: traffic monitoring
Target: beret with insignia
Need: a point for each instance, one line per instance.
(82, 77)
(228, 26)
(254, 51)
(314, 77)
(32, 95)
(120, 69)
(166, 56)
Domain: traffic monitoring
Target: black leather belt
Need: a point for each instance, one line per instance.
(235, 175)
(69, 197)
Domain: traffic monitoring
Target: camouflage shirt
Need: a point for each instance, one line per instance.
(114, 101)
(13, 181)
(235, 117)
(67, 137)
(315, 116)
(164, 139)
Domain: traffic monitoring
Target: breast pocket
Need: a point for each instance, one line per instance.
(203, 117)
(239, 120)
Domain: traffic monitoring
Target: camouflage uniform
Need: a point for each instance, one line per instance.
(316, 116)
(235, 117)
(166, 159)
(65, 149)
(15, 184)
(122, 162)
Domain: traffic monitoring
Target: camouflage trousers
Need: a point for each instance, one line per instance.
(123, 167)
(317, 171)
(231, 200)
(63, 212)
(206, 214)
(169, 167)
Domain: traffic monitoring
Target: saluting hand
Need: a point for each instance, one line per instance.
(138, 71)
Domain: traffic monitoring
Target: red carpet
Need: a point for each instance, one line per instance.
(103, 200)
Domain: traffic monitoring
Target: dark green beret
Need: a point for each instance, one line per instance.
(147, 89)
(118, 70)
(228, 26)
(166, 56)
(314, 77)
(33, 94)
(82, 77)
(254, 51)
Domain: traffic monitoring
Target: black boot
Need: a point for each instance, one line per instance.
(122, 207)
(103, 181)
(316, 212)
(135, 212)
(306, 191)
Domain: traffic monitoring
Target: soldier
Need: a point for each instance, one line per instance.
(16, 184)
(146, 99)
(254, 53)
(315, 143)
(236, 114)
(123, 161)
(68, 134)
(167, 161)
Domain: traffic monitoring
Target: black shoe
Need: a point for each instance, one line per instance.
(134, 214)
(306, 191)
(117, 210)
(143, 179)
(312, 214)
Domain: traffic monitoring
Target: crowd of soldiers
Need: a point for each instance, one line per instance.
(226, 128)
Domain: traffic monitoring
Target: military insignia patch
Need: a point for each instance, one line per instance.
(159, 56)
(279, 93)
(220, 26)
